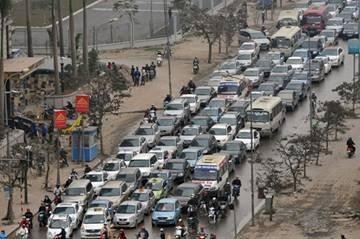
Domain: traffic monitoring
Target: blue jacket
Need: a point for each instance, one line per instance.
(3, 235)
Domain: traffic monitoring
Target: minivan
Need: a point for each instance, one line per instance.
(145, 162)
(80, 191)
(289, 98)
(132, 177)
(114, 191)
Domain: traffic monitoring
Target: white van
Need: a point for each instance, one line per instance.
(145, 162)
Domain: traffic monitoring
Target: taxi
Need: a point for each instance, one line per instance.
(93, 222)
(146, 197)
(158, 186)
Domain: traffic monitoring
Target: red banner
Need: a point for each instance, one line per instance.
(60, 119)
(82, 103)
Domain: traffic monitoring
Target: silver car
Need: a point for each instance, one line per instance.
(146, 197)
(136, 144)
(150, 132)
(129, 214)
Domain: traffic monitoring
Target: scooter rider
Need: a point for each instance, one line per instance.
(350, 143)
(183, 228)
(191, 85)
(62, 234)
(74, 175)
(168, 98)
(196, 61)
(153, 67)
(47, 200)
(58, 190)
(29, 216)
(236, 182)
(22, 232)
(214, 203)
(193, 201)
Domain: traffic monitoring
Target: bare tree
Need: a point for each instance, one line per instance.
(210, 27)
(28, 28)
(305, 149)
(230, 26)
(85, 43)
(349, 92)
(270, 175)
(54, 48)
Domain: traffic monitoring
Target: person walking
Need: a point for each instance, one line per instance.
(132, 73)
(143, 76)
(43, 133)
(137, 76)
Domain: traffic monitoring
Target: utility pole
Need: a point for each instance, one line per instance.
(54, 47)
(252, 164)
(28, 29)
(168, 50)
(85, 44)
(61, 33)
(358, 6)
(151, 19)
(310, 88)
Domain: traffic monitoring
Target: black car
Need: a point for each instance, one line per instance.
(350, 30)
(179, 168)
(206, 122)
(317, 70)
(314, 44)
(266, 65)
(239, 107)
(280, 80)
(206, 142)
(236, 149)
(184, 191)
(169, 125)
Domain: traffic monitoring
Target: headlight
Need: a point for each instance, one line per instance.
(180, 174)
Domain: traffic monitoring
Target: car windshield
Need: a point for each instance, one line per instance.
(98, 204)
(228, 88)
(139, 163)
(144, 131)
(111, 167)
(64, 210)
(156, 186)
(200, 143)
(188, 155)
(266, 87)
(250, 72)
(184, 192)
(94, 219)
(126, 209)
(174, 166)
(335, 22)
(300, 76)
(292, 86)
(199, 121)
(173, 106)
(281, 42)
(124, 156)
(244, 57)
(202, 91)
(165, 122)
(190, 131)
(201, 173)
(218, 131)
(167, 142)
(129, 143)
(351, 26)
(244, 135)
(129, 178)
(228, 66)
(247, 46)
(58, 224)
(257, 35)
(95, 177)
(232, 147)
(210, 112)
(301, 54)
(109, 192)
(75, 191)
(279, 69)
(189, 99)
(142, 197)
(217, 103)
(330, 52)
(309, 19)
(327, 33)
(294, 61)
(228, 120)
(258, 116)
(165, 207)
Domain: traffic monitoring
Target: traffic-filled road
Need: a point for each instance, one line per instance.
(296, 122)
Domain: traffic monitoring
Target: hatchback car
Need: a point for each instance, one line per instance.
(112, 168)
(158, 186)
(105, 204)
(218, 102)
(233, 119)
(270, 88)
(249, 47)
(185, 191)
(213, 112)
(299, 87)
(189, 132)
(316, 69)
(284, 69)
(206, 122)
(297, 63)
(331, 36)
(57, 223)
(93, 222)
(206, 142)
(145, 162)
(80, 191)
(179, 168)
(246, 59)
(97, 179)
(146, 197)
(255, 75)
(223, 133)
(193, 101)
(172, 144)
(169, 125)
(336, 55)
(237, 151)
(205, 94)
(150, 131)
(73, 210)
(129, 214)
(304, 53)
(114, 191)
(244, 136)
(166, 212)
(136, 144)
(277, 57)
(131, 176)
(192, 155)
(179, 108)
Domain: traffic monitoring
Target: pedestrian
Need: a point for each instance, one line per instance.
(132, 73)
(122, 234)
(143, 76)
(33, 133)
(51, 131)
(263, 17)
(137, 76)
(109, 65)
(43, 133)
(114, 67)
(3, 235)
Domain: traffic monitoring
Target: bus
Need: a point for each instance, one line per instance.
(286, 40)
(314, 19)
(288, 18)
(212, 171)
(267, 114)
(231, 87)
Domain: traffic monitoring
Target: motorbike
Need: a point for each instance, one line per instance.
(159, 60)
(42, 218)
(236, 191)
(22, 234)
(180, 232)
(153, 116)
(202, 236)
(203, 208)
(57, 199)
(212, 217)
(195, 68)
(223, 208)
(151, 74)
(350, 151)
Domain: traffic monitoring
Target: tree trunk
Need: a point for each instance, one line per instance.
(10, 211)
(219, 44)
(327, 139)
(61, 33)
(210, 52)
(295, 183)
(304, 165)
(2, 76)
(54, 48)
(336, 132)
(28, 28)
(85, 44)
(227, 44)
(47, 172)
(101, 139)
(72, 38)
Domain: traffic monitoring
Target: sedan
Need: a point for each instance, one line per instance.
(249, 47)
(172, 144)
(205, 122)
(265, 65)
(206, 142)
(205, 94)
(230, 67)
(350, 30)
(244, 136)
(166, 212)
(235, 149)
(233, 119)
(150, 132)
(73, 210)
(169, 125)
(284, 69)
(221, 103)
(270, 88)
(189, 132)
(136, 144)
(304, 53)
(223, 133)
(192, 155)
(327, 64)
(146, 197)
(330, 35)
(193, 101)
(179, 168)
(336, 55)
(277, 57)
(280, 80)
(97, 179)
(297, 63)
(112, 168)
(185, 191)
(164, 174)
(299, 87)
(214, 112)
(129, 214)
(56, 224)
(105, 204)
(255, 75)
(337, 24)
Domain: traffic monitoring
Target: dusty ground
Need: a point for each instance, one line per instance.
(325, 207)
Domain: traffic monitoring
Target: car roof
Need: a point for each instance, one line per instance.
(128, 170)
(130, 202)
(188, 95)
(67, 204)
(178, 100)
(166, 117)
(203, 136)
(219, 126)
(95, 211)
(188, 184)
(168, 137)
(143, 190)
(192, 126)
(143, 156)
(100, 201)
(95, 172)
(229, 115)
(167, 200)
(60, 217)
(177, 160)
(191, 149)
(79, 183)
(113, 183)
(203, 87)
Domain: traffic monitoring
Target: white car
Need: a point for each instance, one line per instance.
(112, 168)
(296, 62)
(146, 163)
(161, 154)
(249, 47)
(337, 24)
(73, 210)
(94, 220)
(150, 132)
(146, 197)
(335, 54)
(129, 214)
(255, 75)
(230, 67)
(244, 136)
(97, 179)
(245, 59)
(56, 223)
(223, 133)
(126, 156)
(327, 65)
(189, 132)
(194, 102)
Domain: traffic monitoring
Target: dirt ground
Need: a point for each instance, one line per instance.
(326, 207)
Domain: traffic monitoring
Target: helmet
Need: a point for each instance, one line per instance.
(228, 183)
(57, 185)
(192, 195)
(180, 220)
(214, 198)
(161, 229)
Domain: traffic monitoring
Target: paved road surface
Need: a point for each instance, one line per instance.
(295, 123)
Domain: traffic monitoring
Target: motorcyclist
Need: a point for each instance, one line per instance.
(143, 233)
(191, 85)
(105, 232)
(153, 67)
(23, 230)
(42, 207)
(47, 200)
(214, 203)
(196, 61)
(62, 234)
(24, 222)
(58, 190)
(68, 182)
(236, 182)
(193, 201)
(29, 216)
(350, 143)
(183, 227)
(87, 169)
(227, 190)
(168, 98)
(162, 234)
(74, 175)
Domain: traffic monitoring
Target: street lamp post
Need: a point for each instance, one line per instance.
(166, 15)
(62, 74)
(252, 164)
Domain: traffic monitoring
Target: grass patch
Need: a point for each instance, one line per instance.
(41, 11)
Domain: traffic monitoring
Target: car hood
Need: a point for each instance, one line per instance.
(230, 71)
(93, 226)
(123, 216)
(114, 199)
(170, 149)
(337, 28)
(220, 137)
(78, 199)
(203, 97)
(262, 41)
(55, 231)
(231, 152)
(244, 61)
(132, 149)
(183, 200)
(157, 214)
(173, 112)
